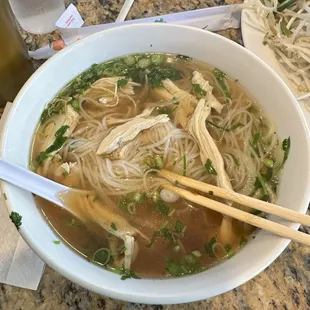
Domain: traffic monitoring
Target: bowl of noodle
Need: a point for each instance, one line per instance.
(105, 114)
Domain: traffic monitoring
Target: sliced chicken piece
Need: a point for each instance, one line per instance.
(209, 97)
(106, 90)
(187, 102)
(86, 207)
(161, 94)
(128, 131)
(69, 118)
(208, 150)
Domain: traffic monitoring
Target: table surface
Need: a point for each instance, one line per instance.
(285, 284)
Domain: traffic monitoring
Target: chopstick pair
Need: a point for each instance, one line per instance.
(249, 218)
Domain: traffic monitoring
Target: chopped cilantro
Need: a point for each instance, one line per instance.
(162, 207)
(58, 143)
(16, 218)
(178, 226)
(172, 234)
(128, 274)
(198, 91)
(210, 168)
(209, 247)
(122, 82)
(187, 264)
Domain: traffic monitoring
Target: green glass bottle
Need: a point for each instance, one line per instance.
(15, 64)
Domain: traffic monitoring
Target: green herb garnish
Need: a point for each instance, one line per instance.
(221, 77)
(209, 247)
(75, 105)
(128, 274)
(113, 226)
(286, 145)
(5, 197)
(187, 264)
(122, 82)
(53, 108)
(162, 207)
(209, 167)
(228, 247)
(56, 241)
(198, 91)
(16, 218)
(161, 20)
(232, 128)
(58, 143)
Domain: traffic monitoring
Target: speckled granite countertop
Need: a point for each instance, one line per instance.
(283, 285)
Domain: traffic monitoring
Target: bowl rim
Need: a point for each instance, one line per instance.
(280, 245)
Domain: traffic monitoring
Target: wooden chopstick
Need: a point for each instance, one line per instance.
(249, 218)
(251, 202)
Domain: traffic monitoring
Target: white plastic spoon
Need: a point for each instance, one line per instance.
(32, 182)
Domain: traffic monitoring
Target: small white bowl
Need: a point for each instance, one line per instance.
(256, 77)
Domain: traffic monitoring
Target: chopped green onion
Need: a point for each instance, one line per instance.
(196, 253)
(220, 77)
(285, 4)
(131, 208)
(268, 162)
(176, 248)
(161, 20)
(159, 162)
(113, 226)
(157, 59)
(210, 168)
(75, 104)
(232, 128)
(102, 256)
(129, 60)
(144, 63)
(162, 207)
(5, 197)
(56, 241)
(286, 145)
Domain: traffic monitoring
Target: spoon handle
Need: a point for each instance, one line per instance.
(31, 182)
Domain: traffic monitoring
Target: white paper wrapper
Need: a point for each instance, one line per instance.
(212, 19)
(19, 265)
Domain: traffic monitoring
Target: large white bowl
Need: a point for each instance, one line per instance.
(255, 76)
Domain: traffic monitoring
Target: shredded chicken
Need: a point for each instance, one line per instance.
(106, 90)
(128, 131)
(187, 102)
(209, 97)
